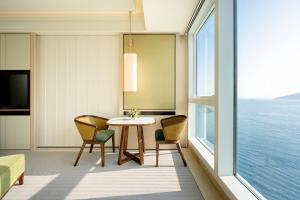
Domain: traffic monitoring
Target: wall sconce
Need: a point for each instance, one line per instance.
(130, 66)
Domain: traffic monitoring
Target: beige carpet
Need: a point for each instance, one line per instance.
(51, 175)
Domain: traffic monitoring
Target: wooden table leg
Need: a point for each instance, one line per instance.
(125, 138)
(121, 145)
(143, 139)
(140, 144)
(138, 157)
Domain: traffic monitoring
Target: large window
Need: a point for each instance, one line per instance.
(205, 81)
(268, 97)
(202, 103)
(205, 58)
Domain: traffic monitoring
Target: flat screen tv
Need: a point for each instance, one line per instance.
(14, 90)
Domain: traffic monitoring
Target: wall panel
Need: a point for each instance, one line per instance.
(156, 64)
(76, 75)
(17, 51)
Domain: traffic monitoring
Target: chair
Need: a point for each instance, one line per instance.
(94, 130)
(171, 132)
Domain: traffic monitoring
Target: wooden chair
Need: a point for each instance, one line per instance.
(171, 132)
(94, 130)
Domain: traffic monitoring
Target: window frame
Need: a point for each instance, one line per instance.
(204, 21)
(242, 180)
(193, 98)
(202, 140)
(220, 165)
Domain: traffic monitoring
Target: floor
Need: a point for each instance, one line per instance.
(51, 175)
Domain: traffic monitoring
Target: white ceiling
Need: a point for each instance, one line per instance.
(66, 5)
(168, 15)
(94, 16)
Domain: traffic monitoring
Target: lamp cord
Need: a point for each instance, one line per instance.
(130, 12)
(130, 41)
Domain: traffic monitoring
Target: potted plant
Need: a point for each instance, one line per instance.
(133, 113)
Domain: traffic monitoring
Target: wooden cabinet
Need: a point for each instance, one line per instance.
(15, 54)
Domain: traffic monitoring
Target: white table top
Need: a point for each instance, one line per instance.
(127, 121)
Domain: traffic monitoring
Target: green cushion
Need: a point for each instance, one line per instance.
(103, 135)
(159, 135)
(11, 168)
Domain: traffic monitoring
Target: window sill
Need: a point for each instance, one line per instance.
(229, 184)
(236, 188)
(205, 154)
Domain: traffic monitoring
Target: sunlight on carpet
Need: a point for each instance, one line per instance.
(51, 175)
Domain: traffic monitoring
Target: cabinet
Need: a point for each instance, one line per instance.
(15, 51)
(15, 132)
(15, 54)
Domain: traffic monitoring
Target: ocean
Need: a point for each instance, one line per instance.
(268, 146)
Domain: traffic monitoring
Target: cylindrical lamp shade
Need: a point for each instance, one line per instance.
(130, 72)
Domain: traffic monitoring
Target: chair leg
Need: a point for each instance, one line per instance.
(102, 155)
(180, 152)
(113, 142)
(80, 152)
(91, 148)
(21, 179)
(157, 154)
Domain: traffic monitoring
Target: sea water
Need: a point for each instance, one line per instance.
(268, 146)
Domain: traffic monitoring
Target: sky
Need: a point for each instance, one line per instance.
(268, 41)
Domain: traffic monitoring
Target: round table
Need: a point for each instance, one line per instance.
(125, 122)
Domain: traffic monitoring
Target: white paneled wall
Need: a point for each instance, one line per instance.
(75, 75)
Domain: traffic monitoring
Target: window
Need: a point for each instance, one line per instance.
(205, 124)
(268, 97)
(205, 58)
(203, 88)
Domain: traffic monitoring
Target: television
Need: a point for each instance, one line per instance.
(14, 91)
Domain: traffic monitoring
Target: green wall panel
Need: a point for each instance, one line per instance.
(156, 56)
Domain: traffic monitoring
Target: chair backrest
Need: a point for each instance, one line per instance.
(173, 127)
(99, 122)
(88, 125)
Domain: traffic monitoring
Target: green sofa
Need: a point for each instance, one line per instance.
(11, 169)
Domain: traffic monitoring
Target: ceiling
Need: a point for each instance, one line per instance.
(95, 16)
(66, 5)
